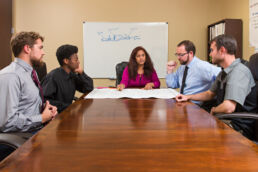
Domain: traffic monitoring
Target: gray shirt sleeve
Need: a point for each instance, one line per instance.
(239, 85)
(11, 116)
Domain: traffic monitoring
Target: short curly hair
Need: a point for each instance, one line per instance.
(19, 40)
(226, 41)
(65, 52)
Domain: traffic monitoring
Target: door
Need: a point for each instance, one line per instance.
(5, 32)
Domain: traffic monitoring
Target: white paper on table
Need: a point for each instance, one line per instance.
(163, 93)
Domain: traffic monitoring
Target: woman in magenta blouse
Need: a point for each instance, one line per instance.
(139, 72)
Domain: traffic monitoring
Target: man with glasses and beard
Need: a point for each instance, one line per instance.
(194, 75)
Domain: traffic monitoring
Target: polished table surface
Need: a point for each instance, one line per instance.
(134, 135)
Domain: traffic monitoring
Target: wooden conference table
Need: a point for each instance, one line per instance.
(134, 135)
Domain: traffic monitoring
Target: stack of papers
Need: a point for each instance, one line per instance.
(164, 93)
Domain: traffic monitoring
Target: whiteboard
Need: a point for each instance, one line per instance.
(107, 43)
(253, 23)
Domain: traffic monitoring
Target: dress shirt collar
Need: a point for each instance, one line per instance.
(194, 60)
(23, 64)
(230, 67)
(65, 74)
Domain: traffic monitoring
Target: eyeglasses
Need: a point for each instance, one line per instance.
(180, 55)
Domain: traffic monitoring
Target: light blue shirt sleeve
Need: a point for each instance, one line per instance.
(212, 72)
(200, 77)
(172, 79)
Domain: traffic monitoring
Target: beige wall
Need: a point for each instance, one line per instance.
(60, 21)
(239, 9)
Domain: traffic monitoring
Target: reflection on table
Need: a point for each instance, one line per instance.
(134, 135)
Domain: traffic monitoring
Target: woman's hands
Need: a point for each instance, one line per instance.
(120, 87)
(149, 86)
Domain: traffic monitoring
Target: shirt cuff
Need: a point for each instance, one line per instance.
(36, 119)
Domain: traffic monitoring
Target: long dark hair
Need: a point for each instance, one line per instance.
(133, 66)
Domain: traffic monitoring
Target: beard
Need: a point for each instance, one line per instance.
(185, 62)
(36, 63)
(217, 61)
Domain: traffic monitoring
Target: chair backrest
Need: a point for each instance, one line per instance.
(119, 71)
(11, 141)
(41, 70)
(253, 66)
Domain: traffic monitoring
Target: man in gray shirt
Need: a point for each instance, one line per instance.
(21, 103)
(234, 86)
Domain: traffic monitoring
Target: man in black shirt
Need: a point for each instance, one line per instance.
(60, 84)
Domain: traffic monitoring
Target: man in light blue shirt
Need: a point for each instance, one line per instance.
(200, 74)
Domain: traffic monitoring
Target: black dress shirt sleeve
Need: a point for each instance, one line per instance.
(50, 90)
(83, 83)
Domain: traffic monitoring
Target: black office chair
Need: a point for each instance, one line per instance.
(11, 141)
(41, 70)
(119, 71)
(253, 66)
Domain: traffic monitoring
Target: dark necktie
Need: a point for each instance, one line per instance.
(183, 81)
(221, 87)
(36, 81)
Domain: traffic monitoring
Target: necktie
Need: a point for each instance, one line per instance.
(36, 81)
(183, 81)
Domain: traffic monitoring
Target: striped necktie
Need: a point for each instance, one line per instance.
(36, 81)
